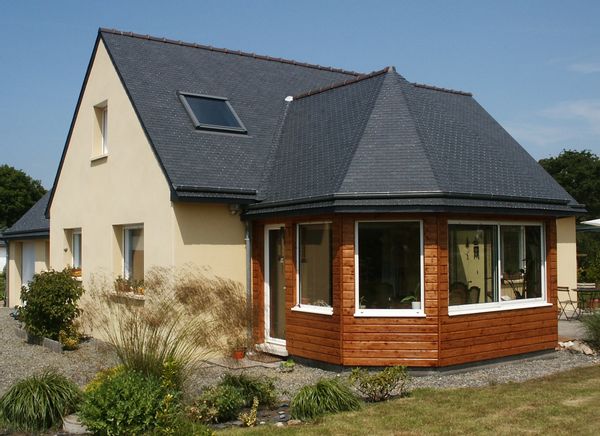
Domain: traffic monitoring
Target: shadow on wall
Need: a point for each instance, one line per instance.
(208, 224)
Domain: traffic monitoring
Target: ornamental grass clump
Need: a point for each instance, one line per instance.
(325, 397)
(379, 385)
(39, 402)
(591, 325)
(183, 316)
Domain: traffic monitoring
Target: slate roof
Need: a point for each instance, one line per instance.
(33, 224)
(346, 142)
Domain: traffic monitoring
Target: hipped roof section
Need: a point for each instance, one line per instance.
(33, 224)
(346, 141)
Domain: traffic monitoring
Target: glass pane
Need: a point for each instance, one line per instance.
(76, 250)
(213, 112)
(521, 262)
(315, 264)
(472, 256)
(389, 265)
(276, 284)
(135, 254)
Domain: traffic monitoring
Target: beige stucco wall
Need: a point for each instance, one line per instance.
(566, 252)
(128, 187)
(14, 263)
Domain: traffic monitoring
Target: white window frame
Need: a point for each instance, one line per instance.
(75, 232)
(382, 313)
(104, 131)
(309, 308)
(267, 286)
(126, 243)
(500, 305)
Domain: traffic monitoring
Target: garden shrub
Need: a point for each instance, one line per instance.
(251, 387)
(50, 303)
(591, 325)
(324, 397)
(127, 402)
(39, 402)
(378, 386)
(217, 404)
(2, 284)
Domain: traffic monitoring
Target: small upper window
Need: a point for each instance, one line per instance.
(214, 113)
(101, 130)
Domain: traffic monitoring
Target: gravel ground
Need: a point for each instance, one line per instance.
(19, 360)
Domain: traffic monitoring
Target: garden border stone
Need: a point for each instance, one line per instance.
(50, 344)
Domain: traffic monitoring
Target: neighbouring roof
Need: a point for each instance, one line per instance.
(33, 224)
(346, 141)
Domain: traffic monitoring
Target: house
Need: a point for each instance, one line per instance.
(374, 221)
(28, 249)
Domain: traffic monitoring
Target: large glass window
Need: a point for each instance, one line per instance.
(389, 265)
(314, 265)
(494, 263)
(134, 253)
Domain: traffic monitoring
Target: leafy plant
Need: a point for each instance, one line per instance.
(324, 397)
(50, 303)
(249, 419)
(252, 387)
(287, 366)
(39, 402)
(378, 386)
(128, 402)
(2, 284)
(591, 325)
(217, 404)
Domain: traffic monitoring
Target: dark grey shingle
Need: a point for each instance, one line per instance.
(33, 221)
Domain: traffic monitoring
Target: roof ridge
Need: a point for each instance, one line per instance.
(344, 83)
(437, 88)
(227, 51)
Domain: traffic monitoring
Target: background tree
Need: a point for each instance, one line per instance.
(579, 173)
(18, 192)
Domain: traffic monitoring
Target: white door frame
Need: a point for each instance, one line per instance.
(267, 289)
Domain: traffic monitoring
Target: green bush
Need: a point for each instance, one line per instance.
(217, 404)
(127, 402)
(39, 402)
(378, 386)
(591, 325)
(50, 303)
(324, 397)
(251, 387)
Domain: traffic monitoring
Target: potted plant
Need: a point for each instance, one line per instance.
(412, 299)
(237, 348)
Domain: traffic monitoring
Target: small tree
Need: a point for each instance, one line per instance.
(50, 303)
(18, 192)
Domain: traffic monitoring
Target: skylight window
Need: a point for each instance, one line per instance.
(212, 113)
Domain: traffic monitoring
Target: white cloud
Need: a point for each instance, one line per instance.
(586, 112)
(585, 67)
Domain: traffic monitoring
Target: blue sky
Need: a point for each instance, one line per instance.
(534, 65)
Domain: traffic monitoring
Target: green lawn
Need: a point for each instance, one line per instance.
(568, 403)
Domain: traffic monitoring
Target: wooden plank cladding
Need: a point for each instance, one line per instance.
(436, 339)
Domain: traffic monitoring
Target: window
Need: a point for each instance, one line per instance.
(212, 113)
(101, 135)
(76, 248)
(134, 253)
(314, 267)
(389, 259)
(495, 264)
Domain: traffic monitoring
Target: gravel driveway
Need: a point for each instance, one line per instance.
(18, 360)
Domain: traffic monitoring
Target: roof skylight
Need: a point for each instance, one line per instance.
(211, 113)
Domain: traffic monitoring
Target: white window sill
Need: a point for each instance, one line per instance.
(389, 313)
(276, 349)
(495, 307)
(319, 310)
(99, 157)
